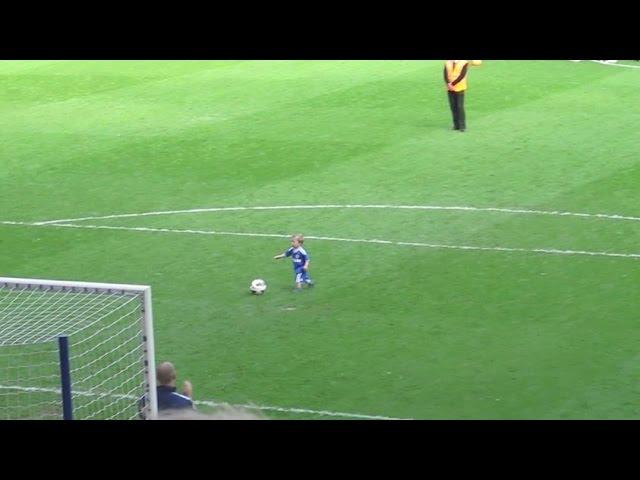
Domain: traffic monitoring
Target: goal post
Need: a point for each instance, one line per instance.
(76, 349)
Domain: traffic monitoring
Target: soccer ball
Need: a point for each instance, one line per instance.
(258, 286)
(476, 63)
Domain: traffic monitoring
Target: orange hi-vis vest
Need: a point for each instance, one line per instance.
(453, 72)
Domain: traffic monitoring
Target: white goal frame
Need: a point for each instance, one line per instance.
(91, 287)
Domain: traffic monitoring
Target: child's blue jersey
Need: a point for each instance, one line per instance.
(299, 257)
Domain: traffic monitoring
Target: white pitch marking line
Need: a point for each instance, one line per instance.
(338, 239)
(210, 403)
(395, 207)
(302, 410)
(623, 65)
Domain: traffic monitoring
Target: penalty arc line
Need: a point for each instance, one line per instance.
(347, 206)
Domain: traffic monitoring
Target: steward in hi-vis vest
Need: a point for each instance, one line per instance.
(455, 77)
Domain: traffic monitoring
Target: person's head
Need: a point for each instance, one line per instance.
(297, 240)
(166, 374)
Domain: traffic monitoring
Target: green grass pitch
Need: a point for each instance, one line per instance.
(394, 330)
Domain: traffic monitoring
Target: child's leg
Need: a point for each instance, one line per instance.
(306, 279)
(299, 280)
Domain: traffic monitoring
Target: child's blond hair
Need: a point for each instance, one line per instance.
(299, 237)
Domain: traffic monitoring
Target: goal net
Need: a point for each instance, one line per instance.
(82, 349)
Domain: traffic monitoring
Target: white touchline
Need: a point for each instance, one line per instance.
(209, 403)
(334, 239)
(310, 207)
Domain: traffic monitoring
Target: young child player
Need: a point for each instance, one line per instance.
(300, 259)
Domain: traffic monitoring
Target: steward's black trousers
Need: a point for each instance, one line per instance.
(456, 102)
